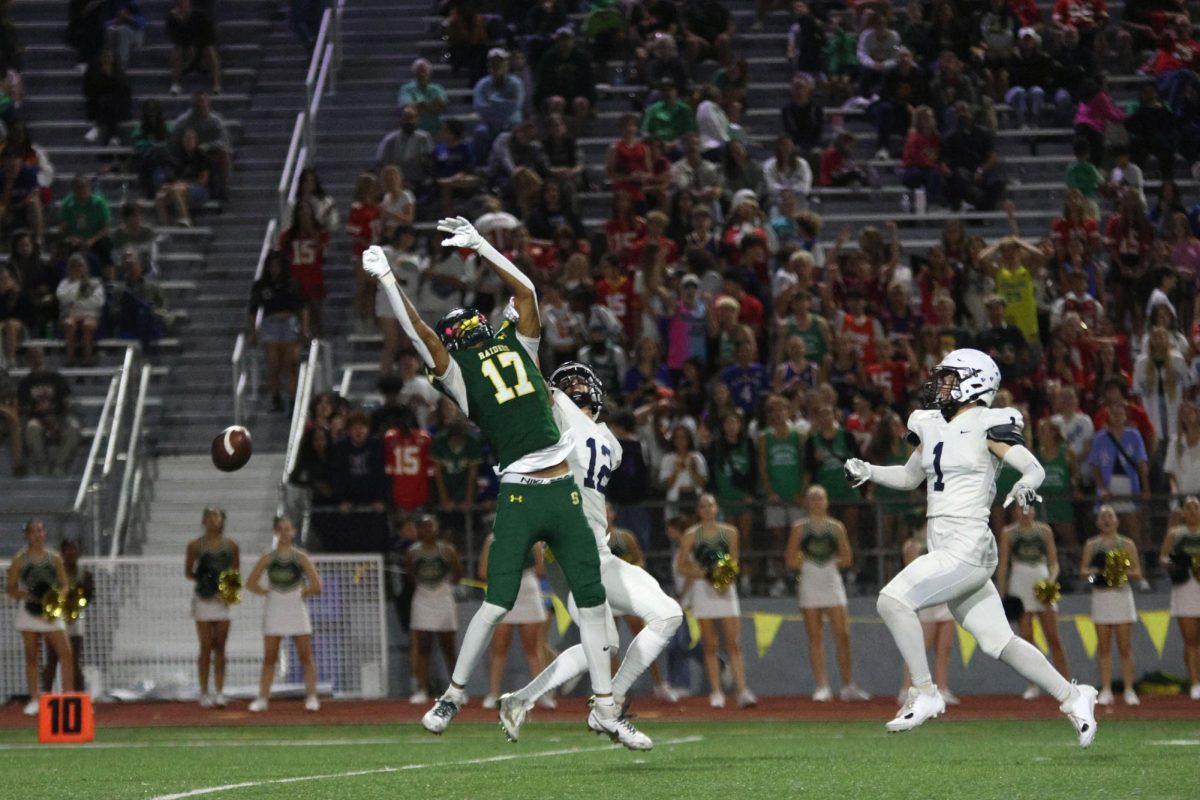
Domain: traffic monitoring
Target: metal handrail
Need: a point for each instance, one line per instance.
(289, 162)
(298, 410)
(310, 77)
(131, 457)
(94, 451)
(294, 189)
(110, 455)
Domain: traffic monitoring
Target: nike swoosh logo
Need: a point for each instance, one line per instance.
(964, 431)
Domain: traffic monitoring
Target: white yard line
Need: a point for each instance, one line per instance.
(1177, 743)
(405, 768)
(216, 743)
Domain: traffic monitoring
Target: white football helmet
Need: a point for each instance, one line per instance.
(963, 376)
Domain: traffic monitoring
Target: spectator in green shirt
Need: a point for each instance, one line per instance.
(428, 98)
(456, 453)
(1083, 175)
(669, 118)
(84, 219)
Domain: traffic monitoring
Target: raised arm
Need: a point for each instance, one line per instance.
(427, 344)
(463, 234)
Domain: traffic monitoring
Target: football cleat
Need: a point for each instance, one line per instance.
(513, 711)
(607, 720)
(438, 718)
(1081, 710)
(920, 706)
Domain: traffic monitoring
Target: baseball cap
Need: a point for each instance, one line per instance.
(689, 280)
(497, 52)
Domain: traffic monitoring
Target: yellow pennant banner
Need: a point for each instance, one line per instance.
(1087, 634)
(561, 615)
(966, 644)
(693, 629)
(766, 628)
(1039, 636)
(1157, 624)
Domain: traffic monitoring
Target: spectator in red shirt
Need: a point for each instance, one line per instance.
(627, 165)
(1027, 12)
(625, 227)
(862, 330)
(362, 225)
(750, 308)
(615, 291)
(922, 160)
(406, 461)
(656, 227)
(1175, 63)
(837, 169)
(303, 246)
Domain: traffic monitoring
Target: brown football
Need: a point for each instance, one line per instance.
(231, 449)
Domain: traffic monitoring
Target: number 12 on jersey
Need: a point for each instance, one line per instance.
(598, 478)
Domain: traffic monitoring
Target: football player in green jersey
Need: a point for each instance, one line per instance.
(495, 380)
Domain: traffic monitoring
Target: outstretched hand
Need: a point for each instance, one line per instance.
(857, 471)
(462, 233)
(375, 262)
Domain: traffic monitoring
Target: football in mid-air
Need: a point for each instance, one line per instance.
(231, 449)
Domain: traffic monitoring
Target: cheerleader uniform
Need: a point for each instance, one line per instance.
(1185, 597)
(1112, 606)
(1027, 565)
(934, 614)
(433, 605)
(207, 606)
(37, 577)
(286, 613)
(820, 579)
(707, 602)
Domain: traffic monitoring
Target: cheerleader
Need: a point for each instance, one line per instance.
(1028, 555)
(79, 580)
(1180, 551)
(711, 607)
(207, 557)
(528, 614)
(435, 568)
(291, 578)
(33, 572)
(937, 623)
(818, 549)
(1113, 611)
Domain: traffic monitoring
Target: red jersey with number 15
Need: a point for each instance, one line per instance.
(407, 462)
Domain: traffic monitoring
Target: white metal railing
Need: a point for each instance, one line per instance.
(132, 454)
(244, 360)
(94, 452)
(114, 435)
(316, 371)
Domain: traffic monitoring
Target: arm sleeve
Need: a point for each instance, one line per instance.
(905, 478)
(396, 301)
(1019, 458)
(494, 256)
(453, 386)
(531, 345)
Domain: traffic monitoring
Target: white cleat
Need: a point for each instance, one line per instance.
(1131, 698)
(513, 711)
(919, 707)
(667, 693)
(852, 694)
(311, 703)
(258, 706)
(490, 701)
(1081, 710)
(1032, 692)
(31, 708)
(716, 700)
(607, 720)
(418, 698)
(1105, 698)
(206, 701)
(823, 694)
(438, 718)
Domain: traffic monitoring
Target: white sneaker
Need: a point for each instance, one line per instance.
(93, 133)
(851, 693)
(716, 700)
(1105, 697)
(513, 711)
(1032, 692)
(206, 701)
(438, 718)
(258, 706)
(823, 694)
(1081, 710)
(1131, 698)
(547, 702)
(418, 698)
(1196, 691)
(312, 703)
(490, 701)
(919, 707)
(219, 701)
(607, 720)
(31, 708)
(667, 693)
(746, 699)
(949, 697)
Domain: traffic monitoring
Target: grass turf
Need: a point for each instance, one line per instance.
(945, 759)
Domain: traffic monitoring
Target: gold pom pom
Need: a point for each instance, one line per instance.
(1047, 592)
(229, 587)
(1116, 568)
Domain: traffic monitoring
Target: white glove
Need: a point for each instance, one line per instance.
(1024, 494)
(375, 262)
(858, 471)
(462, 233)
(510, 311)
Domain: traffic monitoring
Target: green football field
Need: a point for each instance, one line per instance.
(760, 760)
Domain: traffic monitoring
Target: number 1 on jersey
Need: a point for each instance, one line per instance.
(938, 485)
(503, 392)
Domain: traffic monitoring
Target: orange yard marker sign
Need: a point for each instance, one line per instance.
(65, 718)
